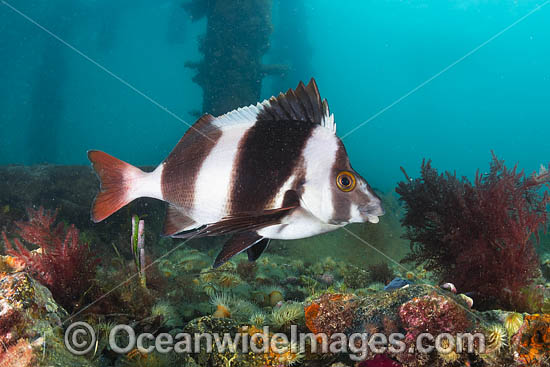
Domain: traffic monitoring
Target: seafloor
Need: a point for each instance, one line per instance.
(58, 268)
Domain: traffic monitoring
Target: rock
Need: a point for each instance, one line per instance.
(31, 324)
(220, 326)
(71, 190)
(22, 295)
(426, 309)
(379, 312)
(211, 325)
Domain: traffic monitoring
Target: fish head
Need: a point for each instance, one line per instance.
(354, 201)
(351, 197)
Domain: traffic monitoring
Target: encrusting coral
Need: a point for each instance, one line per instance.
(18, 355)
(30, 325)
(61, 263)
(477, 236)
(434, 314)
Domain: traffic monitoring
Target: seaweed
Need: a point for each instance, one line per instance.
(478, 236)
(381, 273)
(61, 263)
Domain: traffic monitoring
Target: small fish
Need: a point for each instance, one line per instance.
(274, 170)
(397, 283)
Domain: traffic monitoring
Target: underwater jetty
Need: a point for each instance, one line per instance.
(237, 36)
(479, 264)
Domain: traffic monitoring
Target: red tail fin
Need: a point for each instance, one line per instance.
(116, 179)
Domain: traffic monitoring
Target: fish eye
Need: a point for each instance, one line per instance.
(345, 181)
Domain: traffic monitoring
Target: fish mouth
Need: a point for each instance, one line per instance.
(372, 212)
(372, 218)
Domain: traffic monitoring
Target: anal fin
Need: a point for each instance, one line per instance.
(235, 245)
(176, 221)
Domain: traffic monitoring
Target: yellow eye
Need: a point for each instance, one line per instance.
(345, 181)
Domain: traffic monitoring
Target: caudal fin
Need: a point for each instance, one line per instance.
(116, 184)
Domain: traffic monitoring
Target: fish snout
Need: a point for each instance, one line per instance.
(373, 210)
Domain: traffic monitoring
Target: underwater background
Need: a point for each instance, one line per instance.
(407, 80)
(55, 104)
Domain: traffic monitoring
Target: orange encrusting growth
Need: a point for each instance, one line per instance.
(534, 339)
(11, 264)
(331, 313)
(311, 313)
(287, 355)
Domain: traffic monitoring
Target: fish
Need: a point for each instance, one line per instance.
(274, 170)
(397, 283)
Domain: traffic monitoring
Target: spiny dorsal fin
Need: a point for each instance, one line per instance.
(200, 132)
(301, 104)
(200, 128)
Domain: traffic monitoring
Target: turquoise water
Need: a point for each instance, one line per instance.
(406, 80)
(365, 55)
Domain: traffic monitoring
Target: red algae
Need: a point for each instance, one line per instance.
(478, 236)
(61, 263)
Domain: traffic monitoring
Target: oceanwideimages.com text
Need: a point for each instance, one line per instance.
(81, 338)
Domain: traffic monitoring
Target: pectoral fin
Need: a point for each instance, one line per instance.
(237, 244)
(246, 222)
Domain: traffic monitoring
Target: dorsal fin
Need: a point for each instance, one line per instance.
(200, 128)
(301, 104)
(197, 133)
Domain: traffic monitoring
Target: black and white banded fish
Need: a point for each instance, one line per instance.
(275, 170)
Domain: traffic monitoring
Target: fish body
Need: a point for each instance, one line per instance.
(275, 170)
(397, 283)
